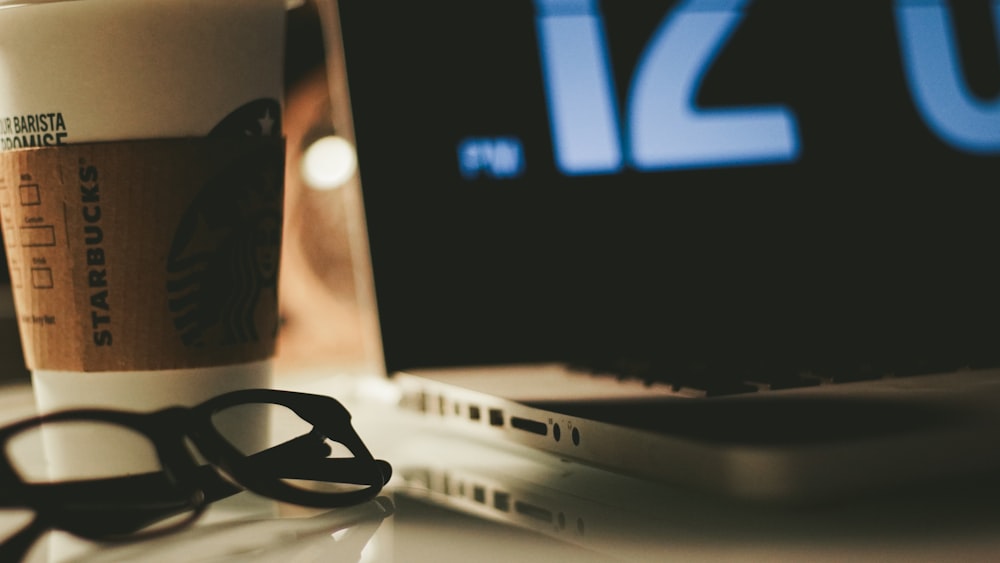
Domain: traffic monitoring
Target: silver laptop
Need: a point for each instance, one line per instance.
(741, 246)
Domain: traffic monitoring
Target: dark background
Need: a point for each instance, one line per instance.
(875, 247)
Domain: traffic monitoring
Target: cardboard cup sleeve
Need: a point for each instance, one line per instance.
(145, 255)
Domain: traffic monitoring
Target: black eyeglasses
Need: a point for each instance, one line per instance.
(131, 507)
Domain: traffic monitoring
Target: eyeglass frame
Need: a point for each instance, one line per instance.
(168, 431)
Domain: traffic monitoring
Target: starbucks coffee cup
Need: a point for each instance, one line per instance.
(140, 189)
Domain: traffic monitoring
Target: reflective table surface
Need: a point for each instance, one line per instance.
(452, 500)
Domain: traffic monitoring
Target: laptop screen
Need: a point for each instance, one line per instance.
(753, 182)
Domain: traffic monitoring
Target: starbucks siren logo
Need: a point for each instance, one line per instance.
(223, 263)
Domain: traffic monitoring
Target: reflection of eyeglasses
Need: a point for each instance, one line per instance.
(140, 506)
(340, 534)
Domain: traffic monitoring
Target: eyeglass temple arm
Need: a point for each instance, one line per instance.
(352, 470)
(338, 470)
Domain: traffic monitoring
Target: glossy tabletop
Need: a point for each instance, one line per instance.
(454, 500)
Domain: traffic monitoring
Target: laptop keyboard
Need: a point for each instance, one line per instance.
(707, 379)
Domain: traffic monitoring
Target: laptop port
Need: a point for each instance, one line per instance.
(496, 417)
(528, 425)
